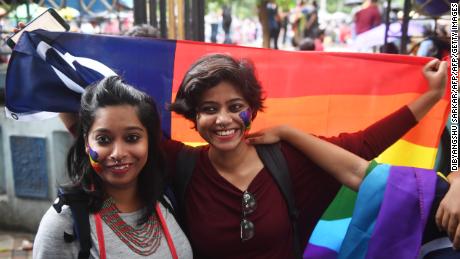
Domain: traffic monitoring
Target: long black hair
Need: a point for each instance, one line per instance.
(112, 91)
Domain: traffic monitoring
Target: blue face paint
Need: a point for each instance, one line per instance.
(246, 117)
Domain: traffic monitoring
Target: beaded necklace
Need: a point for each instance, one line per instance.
(143, 239)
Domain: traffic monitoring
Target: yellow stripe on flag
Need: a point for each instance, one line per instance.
(195, 144)
(405, 153)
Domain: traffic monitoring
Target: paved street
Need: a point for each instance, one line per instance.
(15, 245)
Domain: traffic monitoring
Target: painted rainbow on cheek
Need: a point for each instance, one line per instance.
(246, 116)
(93, 159)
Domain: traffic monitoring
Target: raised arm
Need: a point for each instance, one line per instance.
(435, 73)
(373, 140)
(70, 122)
(346, 167)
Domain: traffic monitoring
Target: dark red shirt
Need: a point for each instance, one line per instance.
(213, 205)
(367, 19)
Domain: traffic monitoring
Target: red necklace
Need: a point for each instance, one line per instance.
(142, 239)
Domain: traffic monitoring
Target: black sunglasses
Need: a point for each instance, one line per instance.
(248, 205)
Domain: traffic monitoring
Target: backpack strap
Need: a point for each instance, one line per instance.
(168, 200)
(185, 165)
(274, 160)
(78, 203)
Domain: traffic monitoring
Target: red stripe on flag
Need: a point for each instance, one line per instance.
(290, 74)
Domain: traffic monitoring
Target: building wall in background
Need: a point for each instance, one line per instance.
(32, 162)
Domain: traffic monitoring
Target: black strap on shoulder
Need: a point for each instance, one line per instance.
(185, 164)
(168, 200)
(274, 160)
(78, 203)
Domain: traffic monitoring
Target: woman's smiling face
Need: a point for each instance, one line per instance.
(222, 116)
(120, 142)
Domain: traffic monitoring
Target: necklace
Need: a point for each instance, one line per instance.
(143, 239)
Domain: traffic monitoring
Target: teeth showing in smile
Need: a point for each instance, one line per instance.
(225, 132)
(120, 167)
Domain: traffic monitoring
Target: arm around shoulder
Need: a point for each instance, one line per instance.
(346, 167)
(70, 122)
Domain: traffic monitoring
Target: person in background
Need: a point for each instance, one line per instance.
(310, 44)
(368, 17)
(143, 30)
(311, 26)
(389, 48)
(274, 22)
(435, 44)
(319, 40)
(227, 23)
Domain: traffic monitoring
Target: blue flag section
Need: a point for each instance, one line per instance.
(41, 64)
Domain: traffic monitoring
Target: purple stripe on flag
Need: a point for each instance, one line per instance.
(403, 214)
(319, 252)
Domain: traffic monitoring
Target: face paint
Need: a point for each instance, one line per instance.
(93, 159)
(246, 116)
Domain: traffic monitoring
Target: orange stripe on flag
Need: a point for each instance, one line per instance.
(331, 115)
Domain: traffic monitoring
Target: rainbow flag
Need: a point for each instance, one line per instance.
(389, 192)
(329, 93)
(318, 92)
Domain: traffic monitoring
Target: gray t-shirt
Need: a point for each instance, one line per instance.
(49, 242)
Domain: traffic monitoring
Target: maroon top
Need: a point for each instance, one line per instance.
(213, 205)
(367, 19)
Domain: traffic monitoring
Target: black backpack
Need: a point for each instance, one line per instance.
(77, 200)
(272, 158)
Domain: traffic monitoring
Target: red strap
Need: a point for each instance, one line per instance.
(166, 232)
(100, 236)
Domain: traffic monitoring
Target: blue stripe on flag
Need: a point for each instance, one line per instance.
(322, 236)
(367, 207)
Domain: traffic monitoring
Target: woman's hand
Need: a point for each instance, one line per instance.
(448, 213)
(266, 136)
(21, 26)
(435, 73)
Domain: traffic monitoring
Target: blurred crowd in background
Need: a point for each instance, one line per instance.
(302, 27)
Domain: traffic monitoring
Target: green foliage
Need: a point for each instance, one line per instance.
(286, 5)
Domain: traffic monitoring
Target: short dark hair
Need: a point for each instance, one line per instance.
(209, 71)
(307, 44)
(112, 91)
(143, 30)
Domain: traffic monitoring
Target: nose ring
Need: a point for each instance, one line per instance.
(116, 161)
